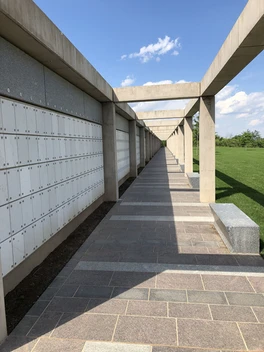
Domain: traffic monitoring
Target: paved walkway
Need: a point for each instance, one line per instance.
(154, 276)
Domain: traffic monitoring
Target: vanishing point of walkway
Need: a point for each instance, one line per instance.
(153, 276)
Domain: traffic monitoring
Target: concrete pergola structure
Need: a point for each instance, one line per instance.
(244, 42)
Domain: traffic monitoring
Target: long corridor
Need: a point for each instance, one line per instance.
(154, 276)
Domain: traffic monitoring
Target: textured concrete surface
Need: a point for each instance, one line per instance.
(150, 286)
(194, 179)
(238, 230)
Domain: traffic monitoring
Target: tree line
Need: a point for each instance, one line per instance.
(248, 139)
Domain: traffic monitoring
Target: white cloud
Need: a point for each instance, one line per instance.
(127, 81)
(158, 59)
(161, 47)
(256, 122)
(166, 81)
(175, 53)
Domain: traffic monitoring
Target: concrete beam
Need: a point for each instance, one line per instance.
(157, 92)
(159, 114)
(191, 108)
(27, 27)
(163, 128)
(126, 111)
(157, 123)
(242, 45)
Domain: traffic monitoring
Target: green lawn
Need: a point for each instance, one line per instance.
(240, 180)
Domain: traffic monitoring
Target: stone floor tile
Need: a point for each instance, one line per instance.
(146, 308)
(257, 283)
(58, 345)
(250, 260)
(48, 294)
(89, 278)
(218, 251)
(45, 324)
(132, 293)
(232, 313)
(179, 281)
(211, 237)
(38, 308)
(245, 299)
(67, 291)
(226, 283)
(68, 305)
(178, 349)
(168, 295)
(253, 335)
(114, 347)
(208, 244)
(94, 292)
(259, 312)
(111, 306)
(177, 259)
(86, 327)
(209, 334)
(18, 344)
(216, 259)
(146, 330)
(58, 281)
(135, 257)
(206, 297)
(193, 250)
(189, 310)
(133, 279)
(24, 326)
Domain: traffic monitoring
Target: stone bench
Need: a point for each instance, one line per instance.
(194, 179)
(238, 231)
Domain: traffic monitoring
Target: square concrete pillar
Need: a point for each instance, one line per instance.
(150, 146)
(147, 146)
(110, 153)
(181, 144)
(207, 149)
(3, 329)
(142, 147)
(176, 144)
(133, 147)
(188, 134)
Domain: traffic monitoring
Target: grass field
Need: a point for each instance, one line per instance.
(240, 180)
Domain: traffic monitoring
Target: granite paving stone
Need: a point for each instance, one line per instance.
(179, 349)
(259, 312)
(112, 306)
(89, 278)
(67, 291)
(147, 308)
(226, 283)
(45, 324)
(58, 345)
(38, 308)
(146, 330)
(24, 326)
(86, 327)
(168, 295)
(66, 304)
(253, 335)
(257, 283)
(188, 310)
(232, 313)
(133, 293)
(94, 292)
(245, 299)
(114, 347)
(209, 334)
(18, 344)
(133, 279)
(179, 281)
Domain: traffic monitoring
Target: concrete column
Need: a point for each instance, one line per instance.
(188, 144)
(207, 149)
(147, 146)
(181, 144)
(133, 147)
(3, 329)
(142, 147)
(150, 147)
(110, 153)
(176, 144)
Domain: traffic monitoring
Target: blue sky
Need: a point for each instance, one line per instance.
(191, 32)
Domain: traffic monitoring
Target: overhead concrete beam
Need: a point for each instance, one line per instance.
(163, 128)
(191, 108)
(160, 114)
(157, 92)
(243, 44)
(27, 27)
(160, 123)
(126, 111)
